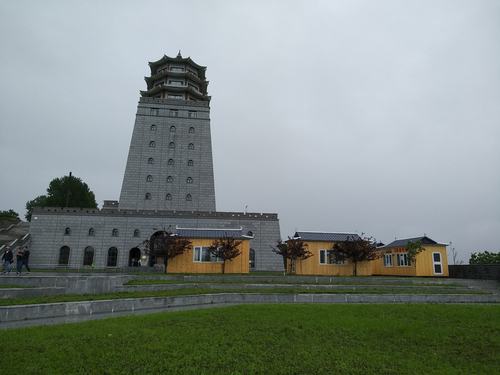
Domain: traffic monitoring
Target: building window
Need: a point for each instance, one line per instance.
(189, 197)
(137, 233)
(170, 179)
(189, 180)
(67, 231)
(147, 196)
(91, 232)
(149, 178)
(64, 256)
(191, 146)
(112, 257)
(329, 257)
(437, 264)
(114, 232)
(171, 162)
(174, 112)
(387, 260)
(192, 114)
(190, 163)
(151, 161)
(172, 129)
(88, 256)
(191, 130)
(154, 111)
(168, 197)
(252, 258)
(152, 144)
(153, 128)
(171, 145)
(403, 260)
(202, 254)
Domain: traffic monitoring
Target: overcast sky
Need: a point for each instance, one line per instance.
(380, 117)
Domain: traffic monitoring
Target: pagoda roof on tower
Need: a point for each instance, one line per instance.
(178, 59)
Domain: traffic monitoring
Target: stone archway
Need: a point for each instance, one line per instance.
(134, 257)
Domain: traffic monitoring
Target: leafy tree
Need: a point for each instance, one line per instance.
(225, 248)
(66, 191)
(356, 249)
(292, 250)
(413, 249)
(484, 257)
(167, 245)
(10, 214)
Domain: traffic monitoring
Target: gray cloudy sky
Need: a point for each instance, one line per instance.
(380, 117)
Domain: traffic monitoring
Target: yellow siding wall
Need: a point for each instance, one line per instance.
(184, 263)
(424, 264)
(311, 266)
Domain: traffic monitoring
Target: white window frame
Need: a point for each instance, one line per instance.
(199, 258)
(434, 263)
(386, 258)
(328, 258)
(403, 260)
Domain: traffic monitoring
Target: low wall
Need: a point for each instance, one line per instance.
(475, 271)
(39, 312)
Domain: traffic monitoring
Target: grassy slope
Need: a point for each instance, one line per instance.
(268, 339)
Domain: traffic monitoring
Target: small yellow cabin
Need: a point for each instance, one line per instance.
(197, 259)
(323, 260)
(432, 261)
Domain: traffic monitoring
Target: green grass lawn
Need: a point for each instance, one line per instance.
(201, 290)
(267, 339)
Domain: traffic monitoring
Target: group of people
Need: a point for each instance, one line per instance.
(22, 259)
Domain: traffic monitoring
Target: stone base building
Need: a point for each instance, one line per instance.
(168, 183)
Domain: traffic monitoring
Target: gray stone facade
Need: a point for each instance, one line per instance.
(48, 227)
(170, 158)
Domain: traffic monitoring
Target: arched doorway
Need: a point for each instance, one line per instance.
(88, 256)
(112, 257)
(64, 256)
(134, 256)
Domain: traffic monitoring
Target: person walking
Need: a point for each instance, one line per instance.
(19, 260)
(26, 258)
(7, 259)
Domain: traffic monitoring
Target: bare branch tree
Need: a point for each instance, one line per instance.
(225, 248)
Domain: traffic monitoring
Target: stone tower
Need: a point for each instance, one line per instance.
(169, 165)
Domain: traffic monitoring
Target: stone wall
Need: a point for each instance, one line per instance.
(475, 271)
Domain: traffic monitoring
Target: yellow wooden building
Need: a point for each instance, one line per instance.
(197, 258)
(432, 261)
(393, 259)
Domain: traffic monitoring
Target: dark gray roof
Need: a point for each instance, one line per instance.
(404, 241)
(209, 233)
(326, 236)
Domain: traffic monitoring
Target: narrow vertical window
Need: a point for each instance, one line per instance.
(191, 146)
(153, 128)
(147, 196)
(171, 145)
(191, 130)
(151, 161)
(189, 197)
(152, 144)
(168, 197)
(149, 178)
(171, 162)
(190, 163)
(170, 179)
(172, 129)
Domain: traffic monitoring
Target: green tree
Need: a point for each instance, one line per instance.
(356, 249)
(413, 249)
(10, 214)
(292, 250)
(166, 245)
(484, 257)
(66, 191)
(226, 248)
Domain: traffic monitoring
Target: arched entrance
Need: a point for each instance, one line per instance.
(88, 256)
(134, 256)
(64, 256)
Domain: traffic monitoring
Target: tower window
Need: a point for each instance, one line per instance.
(114, 232)
(67, 231)
(171, 145)
(189, 197)
(190, 163)
(153, 128)
(174, 112)
(152, 144)
(91, 232)
(172, 129)
(170, 179)
(149, 178)
(191, 130)
(168, 197)
(171, 162)
(191, 146)
(151, 161)
(136, 232)
(192, 114)
(147, 196)
(189, 180)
